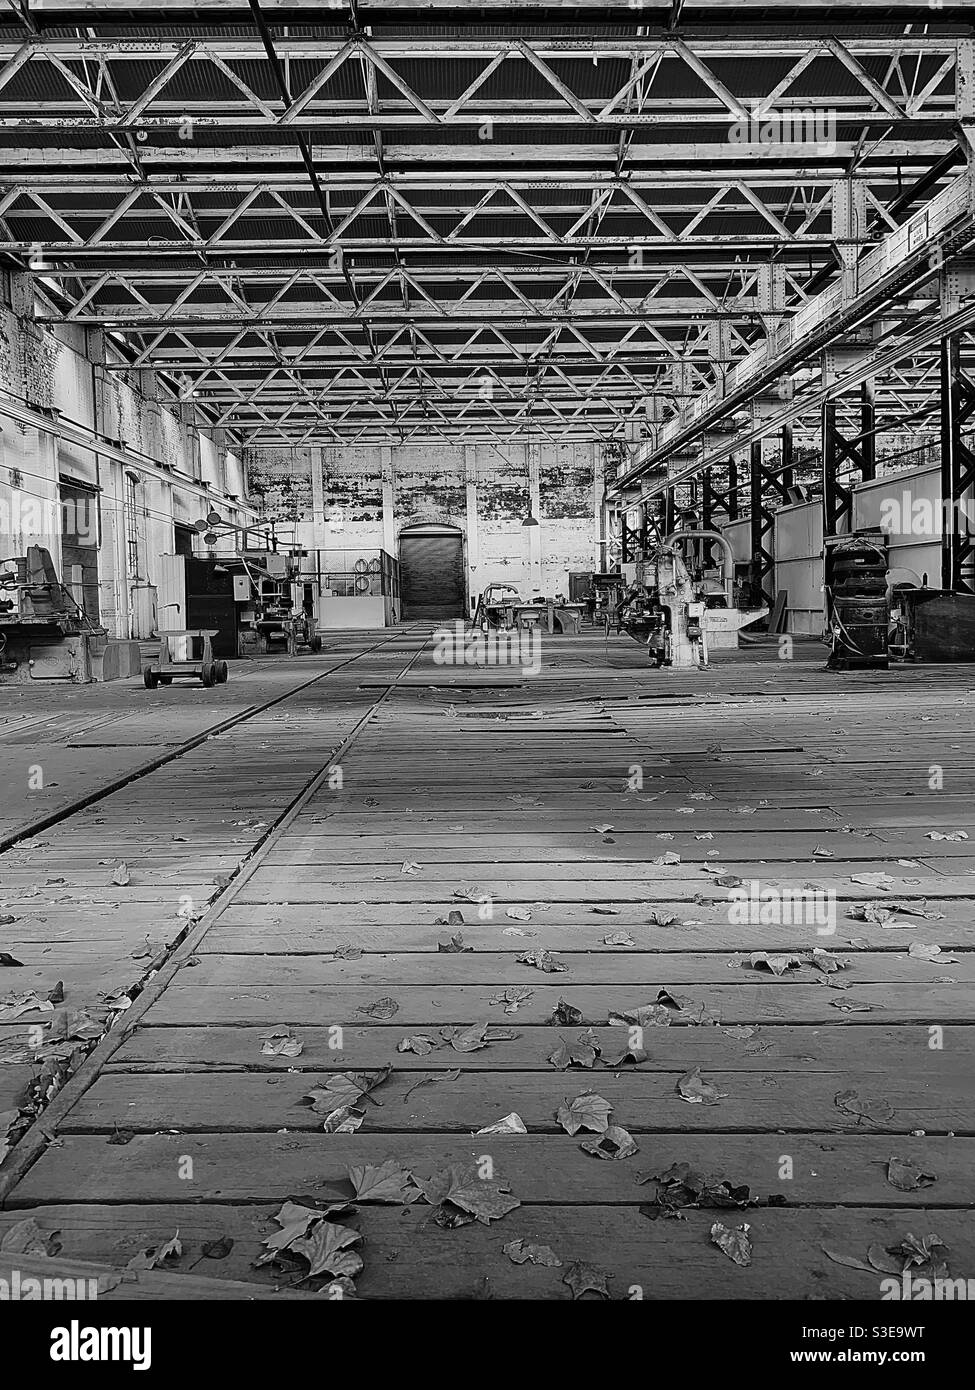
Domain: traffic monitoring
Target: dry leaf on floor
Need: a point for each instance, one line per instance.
(922, 950)
(454, 945)
(382, 1008)
(906, 1176)
(880, 880)
(509, 1124)
(696, 1091)
(581, 1053)
(281, 1042)
(948, 835)
(586, 1111)
(477, 1036)
(826, 961)
(513, 997)
(8, 960)
(521, 1252)
(874, 1108)
(619, 938)
(777, 964)
(605, 911)
(460, 1186)
(736, 1243)
(345, 1090)
(542, 960)
(420, 1043)
(566, 1015)
(325, 1247)
(384, 1182)
(347, 951)
(121, 875)
(432, 1081)
(669, 858)
(409, 867)
(518, 914)
(659, 918)
(156, 1256)
(583, 1277)
(614, 1143)
(27, 1238)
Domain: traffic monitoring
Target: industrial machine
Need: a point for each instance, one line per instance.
(264, 583)
(931, 624)
(678, 612)
(857, 600)
(500, 606)
(44, 633)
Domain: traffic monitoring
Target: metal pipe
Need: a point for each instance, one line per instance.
(729, 555)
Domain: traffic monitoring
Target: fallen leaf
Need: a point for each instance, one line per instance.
(777, 964)
(566, 1015)
(518, 914)
(513, 997)
(281, 1042)
(409, 867)
(906, 1176)
(472, 1039)
(619, 938)
(27, 1238)
(542, 960)
(121, 875)
(586, 1111)
(581, 1053)
(383, 1008)
(872, 1108)
(521, 1252)
(921, 950)
(325, 1247)
(460, 1186)
(385, 1182)
(660, 918)
(582, 1277)
(614, 1143)
(696, 1091)
(454, 945)
(420, 1043)
(509, 1124)
(736, 1243)
(155, 1256)
(433, 1080)
(880, 880)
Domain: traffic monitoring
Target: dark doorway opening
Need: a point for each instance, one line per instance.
(80, 523)
(432, 572)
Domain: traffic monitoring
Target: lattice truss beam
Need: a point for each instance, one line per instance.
(497, 279)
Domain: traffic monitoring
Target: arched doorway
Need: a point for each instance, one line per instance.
(431, 562)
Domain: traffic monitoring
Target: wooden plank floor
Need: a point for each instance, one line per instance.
(581, 812)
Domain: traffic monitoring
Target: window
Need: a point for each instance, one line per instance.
(132, 525)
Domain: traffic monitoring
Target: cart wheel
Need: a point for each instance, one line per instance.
(222, 671)
(315, 644)
(150, 677)
(208, 674)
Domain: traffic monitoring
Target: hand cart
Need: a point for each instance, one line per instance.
(186, 653)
